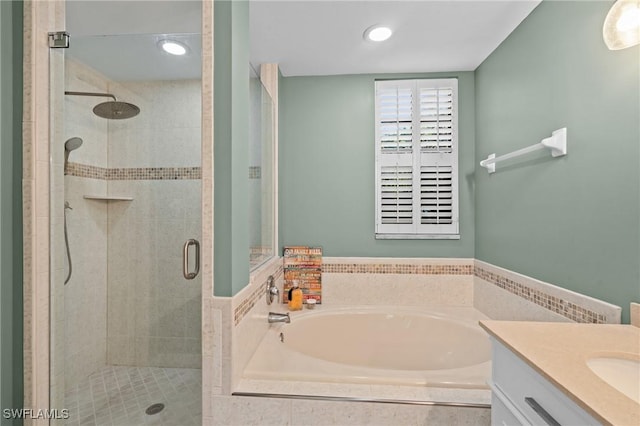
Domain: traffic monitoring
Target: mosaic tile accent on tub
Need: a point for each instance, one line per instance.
(554, 304)
(386, 268)
(133, 173)
(249, 302)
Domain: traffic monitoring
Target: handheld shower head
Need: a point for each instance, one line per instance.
(70, 145)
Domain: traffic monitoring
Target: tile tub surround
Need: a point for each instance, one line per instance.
(247, 303)
(250, 309)
(370, 281)
(635, 314)
(238, 325)
(497, 292)
(240, 410)
(503, 294)
(397, 281)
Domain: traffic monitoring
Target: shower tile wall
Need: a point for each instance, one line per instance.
(127, 302)
(153, 311)
(85, 295)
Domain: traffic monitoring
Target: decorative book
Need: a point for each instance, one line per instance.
(303, 264)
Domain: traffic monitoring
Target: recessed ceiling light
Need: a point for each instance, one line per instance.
(173, 47)
(377, 33)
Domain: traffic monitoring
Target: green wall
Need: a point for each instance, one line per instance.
(231, 158)
(11, 387)
(572, 221)
(326, 168)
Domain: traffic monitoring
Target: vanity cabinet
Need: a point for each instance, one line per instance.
(522, 396)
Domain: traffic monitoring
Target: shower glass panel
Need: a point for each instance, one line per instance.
(126, 327)
(261, 175)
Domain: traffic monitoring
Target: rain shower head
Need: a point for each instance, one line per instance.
(115, 110)
(112, 110)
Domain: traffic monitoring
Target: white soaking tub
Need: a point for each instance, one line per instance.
(438, 347)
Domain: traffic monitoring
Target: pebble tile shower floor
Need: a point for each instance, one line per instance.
(119, 396)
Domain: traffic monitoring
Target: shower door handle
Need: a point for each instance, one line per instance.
(185, 259)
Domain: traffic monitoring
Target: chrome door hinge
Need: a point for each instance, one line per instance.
(59, 40)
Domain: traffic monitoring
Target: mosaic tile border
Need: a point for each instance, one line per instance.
(85, 171)
(255, 172)
(249, 302)
(554, 304)
(133, 173)
(154, 173)
(391, 268)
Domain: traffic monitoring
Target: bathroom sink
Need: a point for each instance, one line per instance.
(620, 373)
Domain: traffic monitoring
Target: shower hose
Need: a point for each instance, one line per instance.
(66, 240)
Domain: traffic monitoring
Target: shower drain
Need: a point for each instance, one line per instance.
(154, 408)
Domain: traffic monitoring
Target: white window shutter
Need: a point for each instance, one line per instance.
(395, 125)
(396, 195)
(416, 157)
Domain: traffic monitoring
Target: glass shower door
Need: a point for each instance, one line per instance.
(125, 196)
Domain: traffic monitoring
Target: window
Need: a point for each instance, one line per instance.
(417, 158)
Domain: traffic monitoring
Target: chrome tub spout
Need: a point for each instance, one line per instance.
(277, 317)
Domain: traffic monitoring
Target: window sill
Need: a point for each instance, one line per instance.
(417, 236)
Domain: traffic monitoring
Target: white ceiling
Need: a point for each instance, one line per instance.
(326, 37)
(319, 37)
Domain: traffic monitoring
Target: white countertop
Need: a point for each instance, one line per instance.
(559, 352)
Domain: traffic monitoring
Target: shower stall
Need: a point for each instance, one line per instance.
(126, 182)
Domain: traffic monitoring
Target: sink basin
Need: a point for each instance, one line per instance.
(622, 374)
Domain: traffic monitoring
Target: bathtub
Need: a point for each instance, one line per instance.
(441, 347)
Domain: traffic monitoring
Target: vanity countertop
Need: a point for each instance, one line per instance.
(559, 352)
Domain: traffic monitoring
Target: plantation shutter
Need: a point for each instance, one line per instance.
(416, 159)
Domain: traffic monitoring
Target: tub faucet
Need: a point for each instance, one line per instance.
(277, 317)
